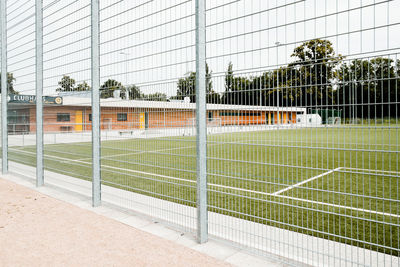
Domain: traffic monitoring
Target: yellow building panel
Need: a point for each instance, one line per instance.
(142, 121)
(78, 121)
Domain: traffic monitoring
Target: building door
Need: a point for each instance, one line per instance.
(272, 118)
(146, 120)
(78, 120)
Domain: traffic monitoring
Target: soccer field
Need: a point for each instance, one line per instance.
(338, 183)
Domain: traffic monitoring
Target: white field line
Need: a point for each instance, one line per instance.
(116, 168)
(137, 153)
(371, 171)
(342, 207)
(46, 156)
(311, 201)
(116, 155)
(142, 152)
(242, 189)
(305, 181)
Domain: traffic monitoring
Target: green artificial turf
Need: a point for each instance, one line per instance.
(358, 204)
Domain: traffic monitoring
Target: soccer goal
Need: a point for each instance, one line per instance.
(334, 120)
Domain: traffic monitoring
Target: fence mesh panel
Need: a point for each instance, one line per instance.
(302, 117)
(20, 80)
(306, 162)
(148, 147)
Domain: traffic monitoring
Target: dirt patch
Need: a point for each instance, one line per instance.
(37, 230)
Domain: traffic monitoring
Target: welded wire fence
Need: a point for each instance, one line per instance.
(273, 125)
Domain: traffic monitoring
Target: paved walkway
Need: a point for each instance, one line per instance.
(38, 230)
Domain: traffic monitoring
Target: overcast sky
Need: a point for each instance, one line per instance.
(151, 42)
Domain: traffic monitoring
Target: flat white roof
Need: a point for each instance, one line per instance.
(120, 103)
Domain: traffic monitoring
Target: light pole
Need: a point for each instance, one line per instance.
(277, 80)
(126, 73)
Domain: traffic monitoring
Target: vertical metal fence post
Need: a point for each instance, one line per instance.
(39, 93)
(96, 182)
(201, 137)
(4, 89)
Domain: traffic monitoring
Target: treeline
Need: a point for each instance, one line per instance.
(369, 88)
(107, 89)
(186, 87)
(317, 78)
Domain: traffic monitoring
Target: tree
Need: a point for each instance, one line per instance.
(398, 68)
(283, 87)
(259, 89)
(134, 92)
(314, 72)
(213, 97)
(305, 82)
(10, 83)
(156, 97)
(367, 88)
(227, 97)
(108, 87)
(229, 78)
(186, 87)
(240, 90)
(66, 84)
(82, 87)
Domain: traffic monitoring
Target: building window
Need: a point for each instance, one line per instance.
(250, 114)
(90, 117)
(12, 117)
(63, 117)
(225, 113)
(122, 116)
(210, 116)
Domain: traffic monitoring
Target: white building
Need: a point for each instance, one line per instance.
(309, 120)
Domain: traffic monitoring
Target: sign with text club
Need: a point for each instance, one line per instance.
(31, 99)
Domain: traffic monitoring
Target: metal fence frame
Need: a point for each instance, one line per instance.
(95, 57)
(202, 205)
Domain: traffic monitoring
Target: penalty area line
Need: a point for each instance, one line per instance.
(305, 181)
(242, 189)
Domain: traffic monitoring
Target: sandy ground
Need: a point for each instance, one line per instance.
(37, 230)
